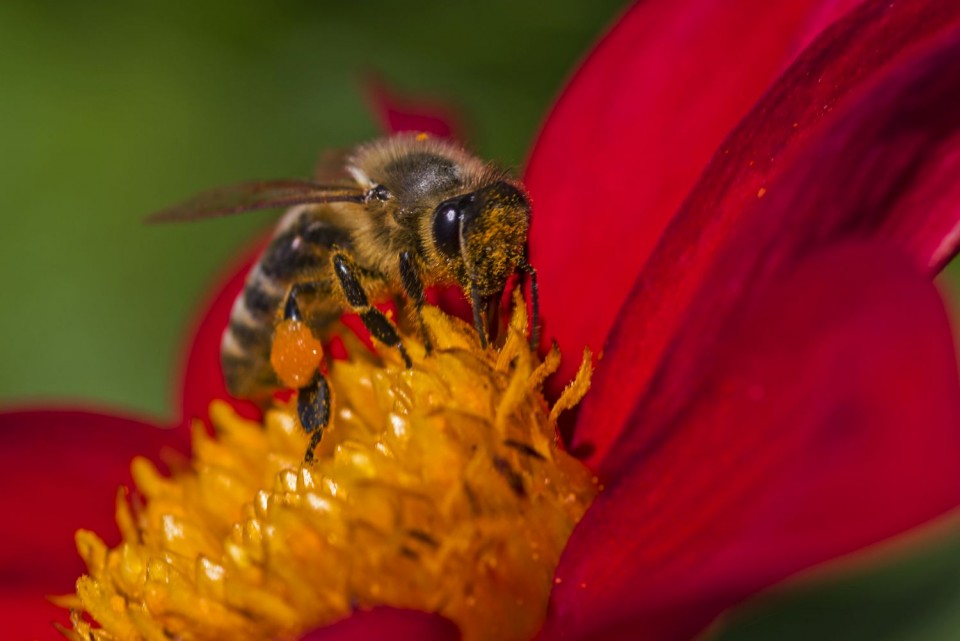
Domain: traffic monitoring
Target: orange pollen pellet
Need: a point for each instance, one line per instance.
(295, 354)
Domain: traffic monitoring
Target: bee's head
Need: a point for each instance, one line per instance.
(485, 234)
(470, 219)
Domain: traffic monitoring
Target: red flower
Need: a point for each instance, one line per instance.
(778, 386)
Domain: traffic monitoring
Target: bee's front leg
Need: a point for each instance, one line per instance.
(413, 286)
(348, 276)
(527, 269)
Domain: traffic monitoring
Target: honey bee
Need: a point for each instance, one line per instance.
(414, 212)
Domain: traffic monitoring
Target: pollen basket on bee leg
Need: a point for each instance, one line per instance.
(295, 353)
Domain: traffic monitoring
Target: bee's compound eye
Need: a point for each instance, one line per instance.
(446, 228)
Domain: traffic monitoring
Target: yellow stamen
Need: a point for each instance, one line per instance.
(438, 488)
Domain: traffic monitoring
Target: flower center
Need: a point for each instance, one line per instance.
(438, 488)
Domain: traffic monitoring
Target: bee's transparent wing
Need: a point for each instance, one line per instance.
(331, 166)
(251, 196)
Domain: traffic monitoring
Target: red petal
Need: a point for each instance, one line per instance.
(631, 133)
(388, 623)
(397, 113)
(61, 471)
(27, 614)
(884, 162)
(829, 420)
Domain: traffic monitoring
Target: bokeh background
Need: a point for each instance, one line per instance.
(109, 111)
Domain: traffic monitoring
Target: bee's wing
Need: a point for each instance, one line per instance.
(331, 165)
(250, 196)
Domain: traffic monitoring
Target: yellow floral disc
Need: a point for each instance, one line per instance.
(438, 488)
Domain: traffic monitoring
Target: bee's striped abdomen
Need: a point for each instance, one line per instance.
(299, 252)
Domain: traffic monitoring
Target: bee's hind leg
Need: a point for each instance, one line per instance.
(313, 409)
(376, 322)
(313, 399)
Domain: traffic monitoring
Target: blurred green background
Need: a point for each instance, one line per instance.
(111, 111)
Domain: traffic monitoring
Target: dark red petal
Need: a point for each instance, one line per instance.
(61, 471)
(631, 133)
(829, 419)
(883, 163)
(397, 113)
(388, 623)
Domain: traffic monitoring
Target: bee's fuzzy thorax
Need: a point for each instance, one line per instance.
(371, 163)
